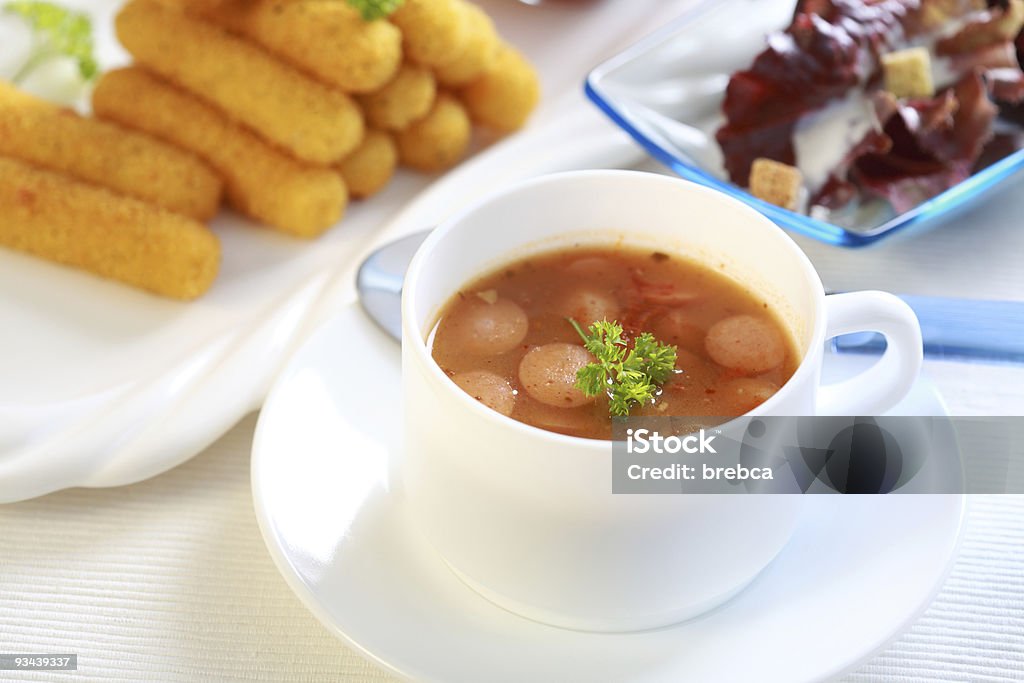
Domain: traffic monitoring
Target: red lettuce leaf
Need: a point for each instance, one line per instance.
(999, 25)
(1011, 107)
(935, 144)
(831, 47)
(921, 147)
(839, 190)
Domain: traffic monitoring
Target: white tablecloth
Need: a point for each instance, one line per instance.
(168, 580)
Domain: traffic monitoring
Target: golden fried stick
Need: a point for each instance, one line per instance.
(328, 39)
(65, 220)
(313, 121)
(260, 181)
(407, 98)
(477, 55)
(131, 163)
(505, 95)
(439, 140)
(368, 169)
(434, 31)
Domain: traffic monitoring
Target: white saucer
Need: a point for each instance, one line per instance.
(858, 571)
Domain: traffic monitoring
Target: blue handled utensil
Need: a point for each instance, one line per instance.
(956, 329)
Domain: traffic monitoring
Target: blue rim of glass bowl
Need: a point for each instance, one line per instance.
(937, 207)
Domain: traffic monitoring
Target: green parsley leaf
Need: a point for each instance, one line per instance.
(375, 9)
(59, 32)
(629, 376)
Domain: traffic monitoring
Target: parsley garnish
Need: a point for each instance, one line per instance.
(375, 9)
(629, 376)
(59, 32)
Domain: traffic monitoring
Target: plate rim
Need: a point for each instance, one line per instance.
(314, 298)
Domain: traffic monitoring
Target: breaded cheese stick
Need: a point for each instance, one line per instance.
(259, 180)
(328, 39)
(437, 141)
(65, 220)
(506, 94)
(406, 98)
(435, 32)
(479, 53)
(369, 169)
(106, 154)
(311, 120)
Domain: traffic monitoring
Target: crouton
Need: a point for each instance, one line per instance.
(908, 73)
(776, 183)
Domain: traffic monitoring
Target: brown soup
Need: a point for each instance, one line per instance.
(506, 338)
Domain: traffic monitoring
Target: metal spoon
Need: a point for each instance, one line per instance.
(380, 278)
(963, 329)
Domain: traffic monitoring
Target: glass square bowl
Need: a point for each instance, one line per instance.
(667, 91)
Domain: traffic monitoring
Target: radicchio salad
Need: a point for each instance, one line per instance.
(829, 100)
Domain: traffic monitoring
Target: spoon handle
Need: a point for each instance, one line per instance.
(960, 329)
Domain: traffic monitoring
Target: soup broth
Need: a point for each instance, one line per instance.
(506, 338)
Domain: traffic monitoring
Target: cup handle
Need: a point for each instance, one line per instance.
(888, 381)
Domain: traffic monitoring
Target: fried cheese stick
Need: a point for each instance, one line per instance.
(312, 121)
(504, 96)
(435, 32)
(408, 97)
(477, 55)
(368, 169)
(439, 140)
(260, 181)
(328, 39)
(106, 154)
(77, 224)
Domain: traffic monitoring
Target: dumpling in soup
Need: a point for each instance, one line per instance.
(548, 373)
(484, 328)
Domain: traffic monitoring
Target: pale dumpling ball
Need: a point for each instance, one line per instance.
(487, 328)
(746, 343)
(548, 374)
(590, 267)
(488, 388)
(588, 305)
(746, 393)
(676, 327)
(667, 294)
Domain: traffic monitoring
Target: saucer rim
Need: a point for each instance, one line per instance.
(275, 545)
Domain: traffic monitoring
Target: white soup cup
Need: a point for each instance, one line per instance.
(527, 517)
